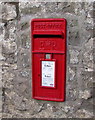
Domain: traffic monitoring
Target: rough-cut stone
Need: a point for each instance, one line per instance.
(72, 72)
(32, 10)
(88, 55)
(2, 32)
(74, 56)
(86, 94)
(12, 35)
(87, 79)
(25, 40)
(91, 13)
(2, 58)
(29, 8)
(24, 73)
(8, 12)
(9, 47)
(84, 114)
(8, 76)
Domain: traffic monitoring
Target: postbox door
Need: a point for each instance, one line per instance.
(48, 92)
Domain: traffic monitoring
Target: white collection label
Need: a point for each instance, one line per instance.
(48, 73)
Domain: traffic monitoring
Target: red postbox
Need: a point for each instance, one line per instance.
(48, 59)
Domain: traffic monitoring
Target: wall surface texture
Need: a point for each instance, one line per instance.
(15, 59)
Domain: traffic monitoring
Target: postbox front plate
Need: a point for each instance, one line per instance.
(48, 59)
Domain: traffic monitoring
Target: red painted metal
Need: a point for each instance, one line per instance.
(48, 36)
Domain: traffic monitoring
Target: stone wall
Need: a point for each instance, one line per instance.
(15, 59)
